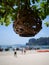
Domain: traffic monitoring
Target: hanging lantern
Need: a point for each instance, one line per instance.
(27, 23)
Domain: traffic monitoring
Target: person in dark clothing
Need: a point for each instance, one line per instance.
(15, 53)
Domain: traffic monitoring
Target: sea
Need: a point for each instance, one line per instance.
(11, 47)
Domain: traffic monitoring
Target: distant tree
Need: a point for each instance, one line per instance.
(9, 9)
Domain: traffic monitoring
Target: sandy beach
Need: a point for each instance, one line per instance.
(30, 58)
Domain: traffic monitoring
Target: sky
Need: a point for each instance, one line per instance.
(9, 37)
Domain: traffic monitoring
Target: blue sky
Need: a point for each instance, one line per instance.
(9, 37)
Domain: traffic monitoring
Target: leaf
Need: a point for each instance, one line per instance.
(22, 0)
(42, 4)
(48, 1)
(37, 0)
(33, 1)
(47, 24)
(2, 21)
(7, 22)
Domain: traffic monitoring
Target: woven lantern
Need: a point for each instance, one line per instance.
(27, 23)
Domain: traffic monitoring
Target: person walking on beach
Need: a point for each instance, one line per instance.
(24, 51)
(15, 52)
